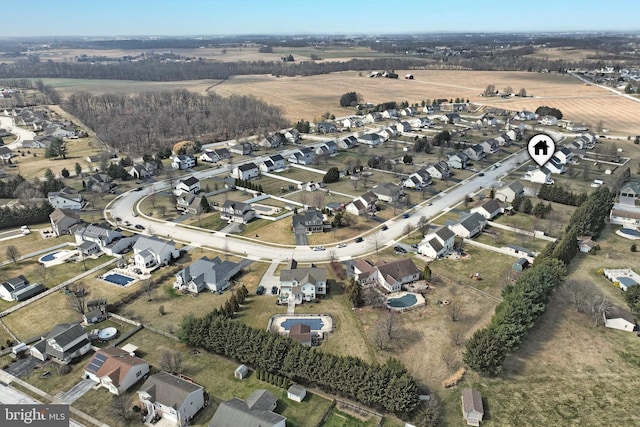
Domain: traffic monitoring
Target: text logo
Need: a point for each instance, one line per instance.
(34, 415)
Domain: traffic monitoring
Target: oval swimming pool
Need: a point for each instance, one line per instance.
(404, 301)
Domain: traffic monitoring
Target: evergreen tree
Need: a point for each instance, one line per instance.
(204, 205)
(527, 206)
(484, 353)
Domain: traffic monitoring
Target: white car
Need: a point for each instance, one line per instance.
(342, 245)
(318, 248)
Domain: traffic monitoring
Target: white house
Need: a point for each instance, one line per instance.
(539, 175)
(458, 160)
(67, 198)
(242, 148)
(19, 289)
(488, 208)
(418, 179)
(387, 192)
(62, 220)
(618, 318)
(564, 155)
(469, 225)
(212, 156)
(292, 135)
(554, 165)
(183, 161)
(509, 192)
(257, 410)
(371, 139)
(245, 171)
(100, 235)
(189, 203)
(239, 212)
(439, 170)
(363, 204)
(115, 369)
(475, 152)
(63, 343)
(303, 156)
(302, 284)
(389, 275)
(153, 252)
(437, 243)
(273, 141)
(172, 398)
(490, 146)
(273, 163)
(189, 185)
(206, 275)
(626, 211)
(548, 121)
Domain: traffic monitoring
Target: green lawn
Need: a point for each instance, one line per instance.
(342, 419)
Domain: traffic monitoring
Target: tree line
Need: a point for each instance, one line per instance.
(556, 193)
(147, 123)
(527, 299)
(388, 387)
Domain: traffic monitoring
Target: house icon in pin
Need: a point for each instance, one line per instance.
(540, 148)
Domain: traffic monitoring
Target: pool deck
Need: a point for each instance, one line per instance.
(122, 273)
(276, 321)
(59, 259)
(420, 301)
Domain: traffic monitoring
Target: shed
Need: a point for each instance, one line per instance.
(520, 264)
(296, 392)
(241, 372)
(472, 408)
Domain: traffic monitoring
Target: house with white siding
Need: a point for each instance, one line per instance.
(171, 398)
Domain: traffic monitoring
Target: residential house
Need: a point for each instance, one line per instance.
(153, 252)
(242, 148)
(364, 204)
(490, 146)
(372, 117)
(326, 127)
(206, 275)
(348, 142)
(257, 410)
(418, 179)
(183, 161)
(171, 398)
(19, 289)
(6, 153)
(514, 134)
(67, 198)
(539, 175)
(213, 156)
(431, 109)
(273, 141)
(403, 127)
(426, 122)
(189, 203)
(275, 162)
(555, 166)
(57, 131)
(387, 192)
(371, 139)
(303, 156)
(62, 220)
(468, 225)
(302, 284)
(143, 170)
(564, 155)
(437, 243)
(576, 127)
(472, 407)
(391, 113)
(352, 122)
(93, 238)
(389, 275)
(188, 185)
(619, 318)
(439, 170)
(327, 148)
(548, 121)
(525, 115)
(245, 171)
(475, 152)
(239, 212)
(452, 118)
(309, 221)
(98, 183)
(292, 136)
(409, 111)
(96, 311)
(458, 160)
(63, 343)
(626, 211)
(488, 208)
(509, 192)
(115, 369)
(504, 140)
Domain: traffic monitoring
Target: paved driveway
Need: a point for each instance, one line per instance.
(77, 391)
(22, 367)
(301, 239)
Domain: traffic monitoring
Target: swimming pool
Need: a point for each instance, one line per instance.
(53, 256)
(629, 233)
(404, 301)
(319, 323)
(118, 279)
(314, 323)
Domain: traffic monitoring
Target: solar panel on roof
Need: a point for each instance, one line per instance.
(96, 363)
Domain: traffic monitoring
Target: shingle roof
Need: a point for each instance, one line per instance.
(472, 400)
(444, 233)
(397, 269)
(304, 275)
(112, 362)
(168, 389)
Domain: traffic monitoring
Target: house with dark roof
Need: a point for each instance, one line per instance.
(62, 220)
(366, 203)
(437, 243)
(115, 369)
(439, 170)
(475, 152)
(390, 275)
(273, 163)
(206, 275)
(242, 148)
(171, 398)
(63, 343)
(143, 170)
(371, 139)
(239, 212)
(488, 208)
(472, 407)
(626, 210)
(618, 318)
(309, 221)
(94, 238)
(509, 192)
(490, 146)
(189, 185)
(189, 203)
(152, 252)
(326, 127)
(540, 175)
(458, 160)
(256, 411)
(245, 171)
(98, 182)
(387, 192)
(302, 284)
(468, 225)
(348, 142)
(292, 135)
(417, 180)
(67, 198)
(302, 156)
(275, 140)
(19, 289)
(212, 156)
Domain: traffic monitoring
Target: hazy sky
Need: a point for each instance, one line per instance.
(226, 17)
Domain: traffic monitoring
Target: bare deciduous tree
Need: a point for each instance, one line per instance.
(119, 409)
(376, 241)
(171, 361)
(455, 309)
(43, 273)
(597, 306)
(77, 298)
(448, 356)
(12, 253)
(456, 334)
(148, 288)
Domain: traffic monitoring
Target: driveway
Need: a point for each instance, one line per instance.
(22, 367)
(76, 392)
(269, 278)
(301, 239)
(232, 228)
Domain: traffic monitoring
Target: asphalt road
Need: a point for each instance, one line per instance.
(123, 206)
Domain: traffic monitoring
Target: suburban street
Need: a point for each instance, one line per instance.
(21, 134)
(123, 207)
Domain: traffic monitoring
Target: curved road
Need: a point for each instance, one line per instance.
(123, 207)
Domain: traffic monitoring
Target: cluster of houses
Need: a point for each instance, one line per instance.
(41, 121)
(19, 289)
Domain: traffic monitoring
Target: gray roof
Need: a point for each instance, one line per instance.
(471, 221)
(297, 390)
(154, 244)
(435, 244)
(619, 313)
(65, 333)
(261, 400)
(190, 181)
(304, 275)
(205, 272)
(236, 413)
(490, 205)
(472, 400)
(168, 389)
(28, 291)
(444, 233)
(247, 167)
(310, 217)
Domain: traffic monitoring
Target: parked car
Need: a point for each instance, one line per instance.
(274, 290)
(318, 248)
(358, 239)
(405, 215)
(481, 174)
(342, 245)
(139, 227)
(400, 249)
(260, 290)
(384, 228)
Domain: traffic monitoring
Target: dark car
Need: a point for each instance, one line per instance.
(405, 215)
(384, 228)
(260, 290)
(400, 249)
(481, 174)
(358, 239)
(138, 189)
(139, 227)
(274, 290)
